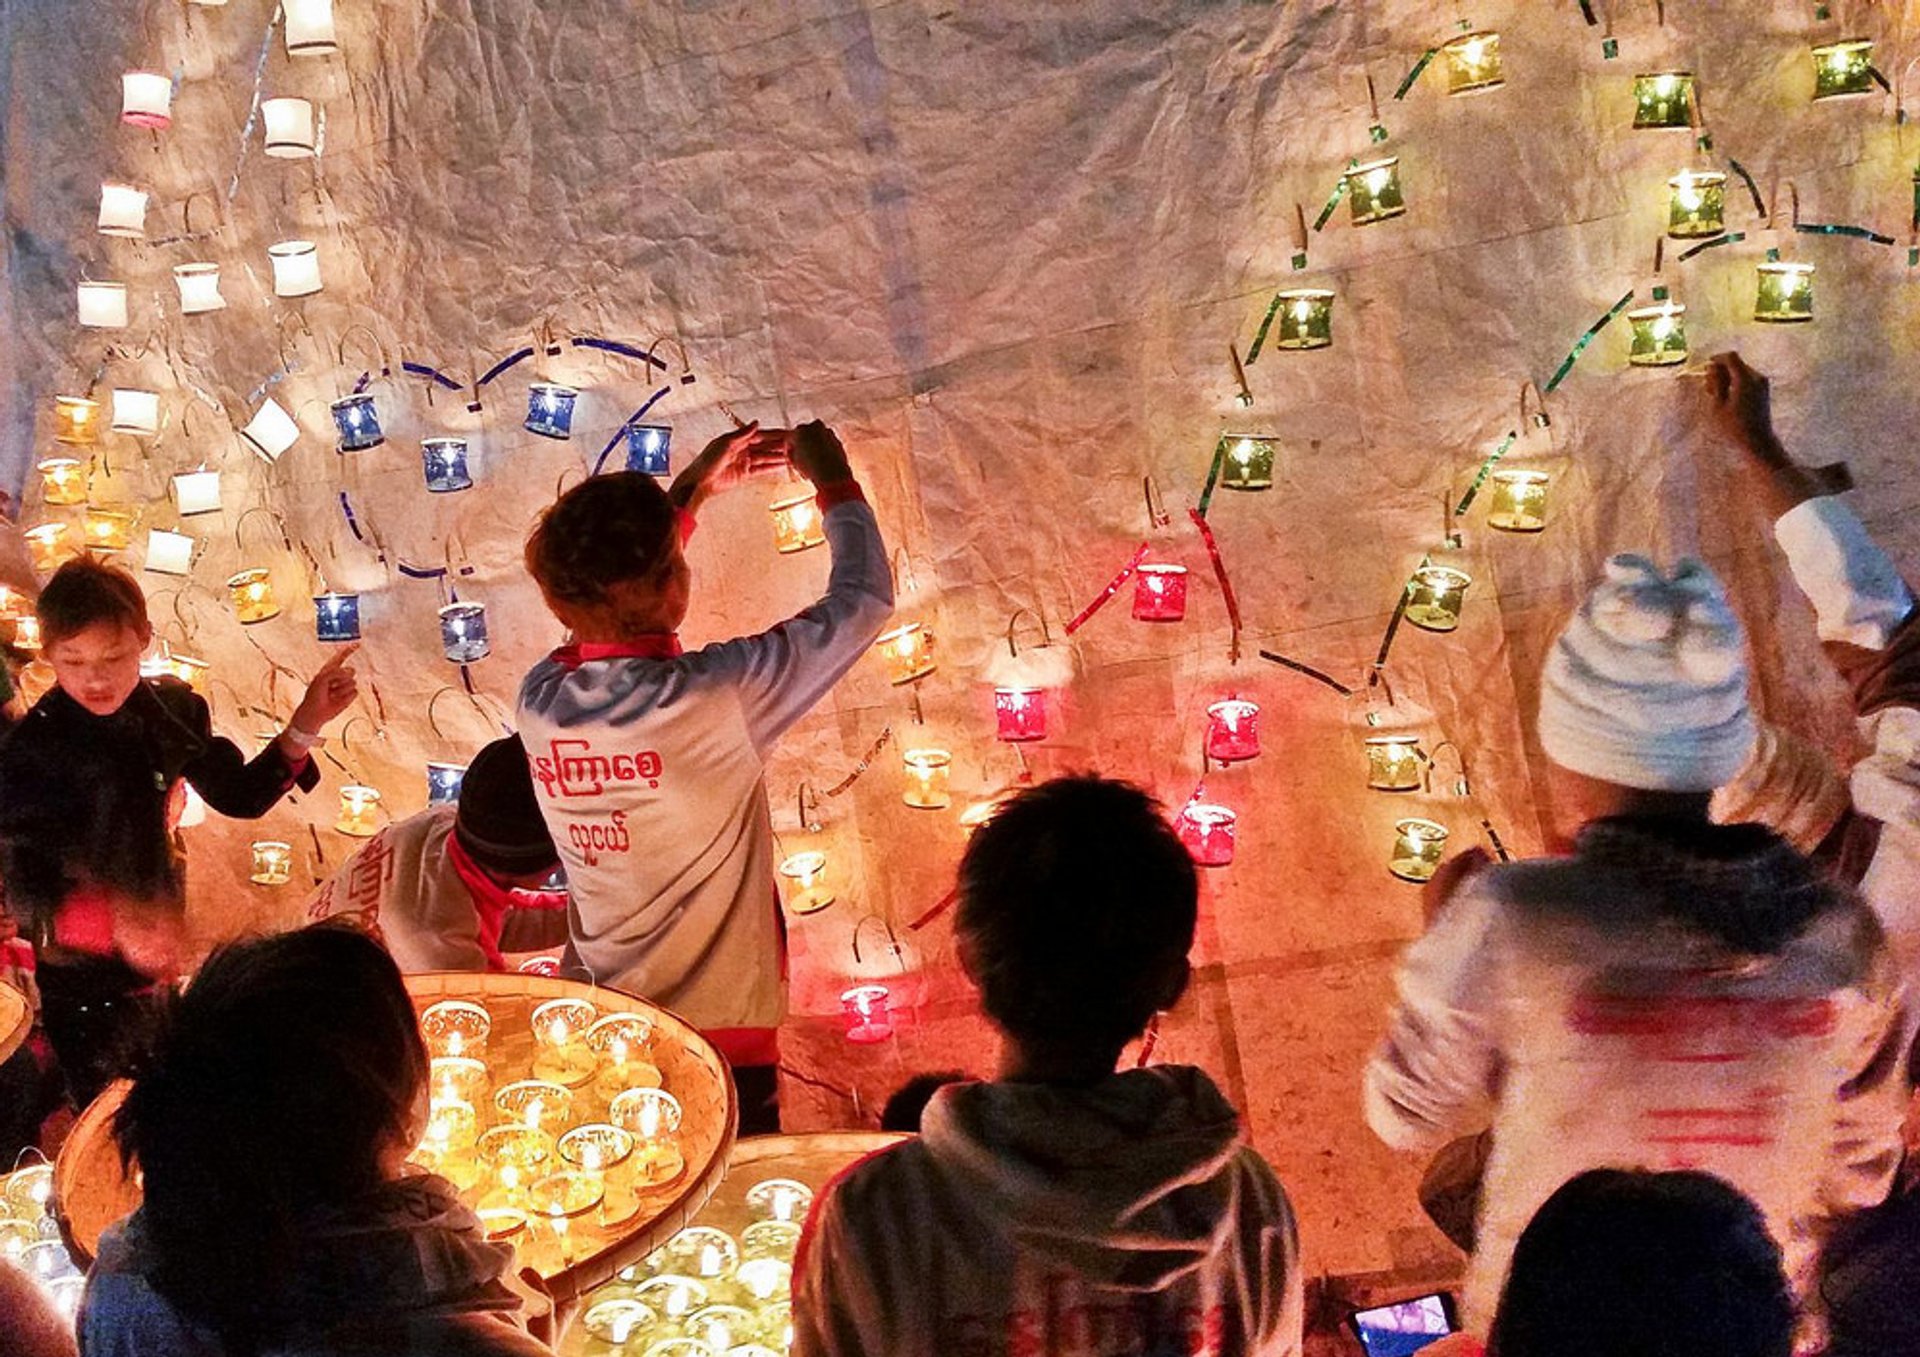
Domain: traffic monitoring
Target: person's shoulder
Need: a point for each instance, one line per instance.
(869, 1188)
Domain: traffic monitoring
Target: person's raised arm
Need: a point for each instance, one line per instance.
(246, 789)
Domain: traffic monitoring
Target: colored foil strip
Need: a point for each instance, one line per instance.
(946, 902)
(624, 350)
(1333, 201)
(1586, 12)
(1266, 323)
(628, 423)
(505, 363)
(1213, 477)
(1580, 346)
(253, 109)
(865, 763)
(1309, 671)
(1493, 837)
(1753, 189)
(1486, 470)
(432, 374)
(1419, 68)
(1399, 614)
(1729, 239)
(1813, 228)
(1105, 596)
(1220, 572)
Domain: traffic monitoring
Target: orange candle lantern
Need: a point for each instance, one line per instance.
(50, 545)
(251, 592)
(108, 530)
(797, 524)
(927, 774)
(76, 421)
(809, 893)
(908, 651)
(63, 480)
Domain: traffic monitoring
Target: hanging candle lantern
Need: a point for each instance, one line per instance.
(272, 863)
(169, 663)
(1435, 597)
(1841, 69)
(550, 409)
(649, 449)
(927, 774)
(146, 99)
(289, 126)
(796, 523)
(197, 492)
(1519, 502)
(1473, 63)
(1659, 333)
(1306, 318)
(271, 430)
(76, 421)
(107, 530)
(908, 651)
(63, 480)
(1019, 714)
(1208, 832)
(169, 553)
(1249, 462)
(1785, 293)
(336, 617)
(310, 28)
(463, 632)
(445, 462)
(1697, 205)
(251, 593)
(1373, 191)
(1417, 848)
(359, 812)
(1160, 592)
(296, 268)
(868, 1012)
(199, 286)
(135, 411)
(1663, 99)
(443, 783)
(50, 545)
(1233, 730)
(1394, 763)
(123, 211)
(26, 634)
(807, 871)
(357, 421)
(103, 306)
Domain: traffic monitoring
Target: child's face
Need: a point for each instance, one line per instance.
(99, 667)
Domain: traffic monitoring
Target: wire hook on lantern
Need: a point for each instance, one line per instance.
(1462, 785)
(894, 945)
(809, 806)
(1046, 636)
(903, 574)
(1157, 514)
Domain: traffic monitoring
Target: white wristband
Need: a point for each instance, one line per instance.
(301, 739)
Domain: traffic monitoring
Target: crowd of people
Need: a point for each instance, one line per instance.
(1660, 1075)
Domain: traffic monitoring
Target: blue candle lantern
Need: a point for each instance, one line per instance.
(463, 632)
(358, 422)
(550, 409)
(446, 464)
(649, 448)
(443, 783)
(336, 617)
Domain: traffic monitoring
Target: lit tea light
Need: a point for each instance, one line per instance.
(1019, 714)
(359, 812)
(721, 1328)
(620, 1040)
(516, 1156)
(443, 783)
(336, 617)
(764, 1278)
(649, 449)
(927, 775)
(107, 530)
(29, 1190)
(1306, 318)
(797, 523)
(1519, 501)
(653, 1115)
(1373, 191)
(1435, 597)
(445, 463)
(1663, 99)
(560, 1206)
(251, 593)
(1233, 730)
(1473, 63)
(1417, 849)
(296, 268)
(26, 634)
(605, 1152)
(63, 480)
(776, 1319)
(171, 663)
(146, 99)
(908, 651)
(771, 1239)
(49, 545)
(1842, 69)
(673, 1297)
(1785, 292)
(455, 1027)
(457, 1078)
(197, 492)
(123, 211)
(272, 863)
(702, 1252)
(357, 420)
(1248, 464)
(102, 306)
(869, 1013)
(807, 871)
(446, 1146)
(289, 128)
(1160, 592)
(550, 409)
(1208, 831)
(560, 1028)
(1659, 335)
(76, 421)
(538, 1104)
(785, 1200)
(617, 1320)
(1697, 205)
(199, 286)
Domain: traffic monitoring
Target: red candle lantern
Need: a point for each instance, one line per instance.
(1208, 832)
(1020, 714)
(1160, 593)
(869, 1016)
(1233, 730)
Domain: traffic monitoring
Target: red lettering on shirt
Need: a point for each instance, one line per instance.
(574, 768)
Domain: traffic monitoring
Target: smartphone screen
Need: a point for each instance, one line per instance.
(1405, 1326)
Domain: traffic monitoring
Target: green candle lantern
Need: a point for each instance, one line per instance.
(1519, 502)
(1663, 99)
(1248, 464)
(1373, 191)
(1697, 205)
(1843, 69)
(1306, 318)
(1435, 596)
(1659, 334)
(1785, 293)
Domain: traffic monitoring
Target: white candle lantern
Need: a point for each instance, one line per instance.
(1418, 846)
(103, 306)
(199, 286)
(1697, 204)
(197, 492)
(169, 553)
(76, 421)
(310, 28)
(1658, 334)
(272, 863)
(136, 412)
(927, 774)
(123, 211)
(807, 871)
(550, 409)
(1249, 462)
(1473, 63)
(146, 98)
(271, 430)
(359, 812)
(1435, 597)
(1519, 501)
(26, 634)
(1785, 292)
(289, 128)
(445, 462)
(336, 617)
(1663, 99)
(63, 481)
(463, 632)
(1843, 69)
(357, 420)
(296, 268)
(1374, 192)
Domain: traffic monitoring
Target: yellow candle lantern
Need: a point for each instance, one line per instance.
(63, 480)
(50, 545)
(359, 811)
(26, 634)
(251, 592)
(1435, 596)
(515, 1156)
(272, 863)
(1394, 763)
(1663, 99)
(76, 421)
(927, 774)
(1473, 63)
(563, 1205)
(560, 1029)
(619, 1043)
(807, 871)
(653, 1115)
(171, 663)
(455, 1027)
(1417, 848)
(1785, 292)
(457, 1078)
(1306, 318)
(1842, 69)
(1659, 334)
(538, 1104)
(1373, 191)
(108, 530)
(1248, 464)
(1519, 501)
(796, 523)
(1697, 204)
(781, 1199)
(908, 651)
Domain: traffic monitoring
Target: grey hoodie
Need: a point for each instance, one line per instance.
(1128, 1219)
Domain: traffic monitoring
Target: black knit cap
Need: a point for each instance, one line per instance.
(498, 821)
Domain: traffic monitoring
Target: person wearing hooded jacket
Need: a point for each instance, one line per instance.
(1062, 1207)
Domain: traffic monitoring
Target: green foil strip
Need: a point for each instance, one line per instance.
(1260, 335)
(1309, 671)
(1586, 12)
(1219, 460)
(1580, 347)
(1813, 228)
(1399, 613)
(1486, 470)
(1419, 67)
(1333, 201)
(1759, 203)
(1728, 239)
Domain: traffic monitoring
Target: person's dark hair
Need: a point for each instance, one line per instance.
(498, 818)
(280, 1079)
(1622, 1263)
(906, 1103)
(84, 592)
(607, 530)
(1077, 910)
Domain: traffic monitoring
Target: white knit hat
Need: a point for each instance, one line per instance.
(1647, 686)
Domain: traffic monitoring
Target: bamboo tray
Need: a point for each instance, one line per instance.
(92, 1192)
(16, 1020)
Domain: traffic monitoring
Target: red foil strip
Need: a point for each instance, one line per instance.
(1220, 571)
(1105, 596)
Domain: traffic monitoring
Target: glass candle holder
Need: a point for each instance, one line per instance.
(199, 287)
(673, 1296)
(764, 1279)
(1659, 335)
(26, 634)
(1248, 464)
(271, 431)
(1841, 69)
(445, 463)
(63, 480)
(807, 871)
(503, 1222)
(1019, 714)
(107, 530)
(251, 593)
(908, 651)
(1208, 831)
(30, 1191)
(310, 28)
(296, 268)
(1417, 849)
(773, 1238)
(1435, 597)
(1473, 63)
(1394, 763)
(1697, 204)
(457, 1078)
(1373, 191)
(443, 783)
(103, 306)
(146, 99)
(135, 411)
(1785, 292)
(1519, 501)
(650, 449)
(357, 420)
(289, 128)
(537, 1104)
(50, 545)
(927, 774)
(76, 421)
(550, 409)
(561, 1207)
(722, 1328)
(1663, 99)
(272, 863)
(782, 1199)
(336, 617)
(447, 1145)
(868, 1010)
(653, 1115)
(617, 1321)
(619, 1042)
(1306, 318)
(455, 1027)
(797, 523)
(605, 1152)
(1233, 730)
(560, 1029)
(463, 632)
(776, 1323)
(1160, 592)
(359, 812)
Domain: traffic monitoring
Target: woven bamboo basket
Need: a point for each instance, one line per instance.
(92, 1192)
(16, 1020)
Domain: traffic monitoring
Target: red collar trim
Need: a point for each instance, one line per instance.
(660, 645)
(491, 900)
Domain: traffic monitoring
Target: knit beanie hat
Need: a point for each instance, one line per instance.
(1647, 686)
(498, 821)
